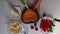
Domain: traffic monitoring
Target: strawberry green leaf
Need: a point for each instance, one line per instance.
(52, 23)
(50, 29)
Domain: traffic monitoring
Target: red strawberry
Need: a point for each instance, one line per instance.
(32, 27)
(45, 24)
(36, 29)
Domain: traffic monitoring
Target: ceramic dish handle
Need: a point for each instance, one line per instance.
(57, 20)
(25, 3)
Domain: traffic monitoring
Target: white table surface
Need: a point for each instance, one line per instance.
(51, 6)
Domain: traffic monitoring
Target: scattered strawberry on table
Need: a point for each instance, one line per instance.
(34, 27)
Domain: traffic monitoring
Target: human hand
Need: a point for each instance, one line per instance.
(37, 5)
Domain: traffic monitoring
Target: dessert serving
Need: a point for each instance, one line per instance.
(15, 27)
(29, 15)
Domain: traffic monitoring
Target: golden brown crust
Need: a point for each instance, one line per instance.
(29, 15)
